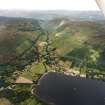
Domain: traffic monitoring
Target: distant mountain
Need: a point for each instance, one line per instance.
(48, 15)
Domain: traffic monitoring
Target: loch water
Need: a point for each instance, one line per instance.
(59, 89)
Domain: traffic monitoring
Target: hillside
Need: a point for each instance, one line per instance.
(16, 42)
(75, 38)
(31, 47)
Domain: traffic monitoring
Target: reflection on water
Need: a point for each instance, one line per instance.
(60, 89)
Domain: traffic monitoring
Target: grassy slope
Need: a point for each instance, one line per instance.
(14, 36)
(74, 35)
(71, 36)
(77, 35)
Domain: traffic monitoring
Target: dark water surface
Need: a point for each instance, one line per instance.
(59, 89)
(2, 83)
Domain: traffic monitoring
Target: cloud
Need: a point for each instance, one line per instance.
(49, 4)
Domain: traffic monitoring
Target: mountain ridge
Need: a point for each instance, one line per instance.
(43, 15)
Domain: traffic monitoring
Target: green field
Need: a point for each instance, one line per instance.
(28, 50)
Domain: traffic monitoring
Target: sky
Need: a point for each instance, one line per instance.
(49, 4)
